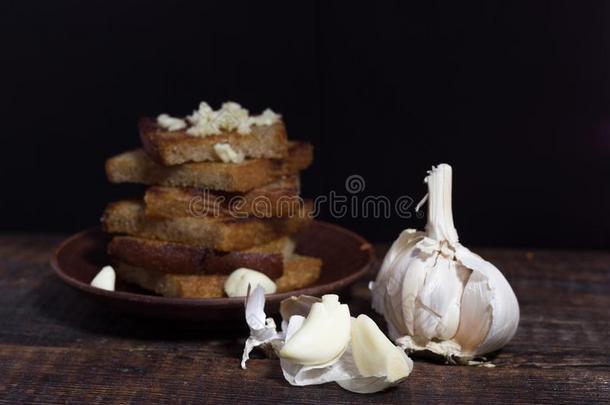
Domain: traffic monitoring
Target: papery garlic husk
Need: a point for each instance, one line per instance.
(437, 295)
(320, 342)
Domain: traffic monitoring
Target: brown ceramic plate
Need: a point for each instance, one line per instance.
(346, 257)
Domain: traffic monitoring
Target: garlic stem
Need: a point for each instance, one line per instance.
(440, 216)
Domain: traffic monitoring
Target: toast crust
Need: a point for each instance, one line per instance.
(299, 272)
(224, 233)
(178, 258)
(136, 167)
(171, 148)
(277, 199)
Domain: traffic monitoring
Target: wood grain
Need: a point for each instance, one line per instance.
(56, 346)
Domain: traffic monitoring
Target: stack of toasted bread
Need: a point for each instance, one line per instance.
(203, 216)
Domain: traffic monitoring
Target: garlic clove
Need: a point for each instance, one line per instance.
(344, 370)
(105, 279)
(326, 319)
(375, 355)
(475, 319)
(324, 335)
(238, 281)
(438, 307)
(390, 302)
(479, 297)
(341, 368)
(412, 284)
(405, 241)
(171, 123)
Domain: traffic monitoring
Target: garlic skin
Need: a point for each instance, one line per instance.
(320, 343)
(437, 295)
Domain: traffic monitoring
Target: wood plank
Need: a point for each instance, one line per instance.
(57, 347)
(95, 375)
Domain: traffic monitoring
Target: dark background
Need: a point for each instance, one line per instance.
(515, 95)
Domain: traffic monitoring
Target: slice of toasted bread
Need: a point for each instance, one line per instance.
(278, 199)
(171, 148)
(299, 272)
(225, 233)
(136, 167)
(178, 258)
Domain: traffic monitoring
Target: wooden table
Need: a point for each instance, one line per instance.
(57, 347)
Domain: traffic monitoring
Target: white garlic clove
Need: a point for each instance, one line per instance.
(171, 123)
(227, 154)
(391, 364)
(105, 279)
(475, 319)
(238, 281)
(344, 370)
(490, 299)
(324, 335)
(415, 276)
(437, 310)
(405, 241)
(367, 385)
(375, 355)
(387, 289)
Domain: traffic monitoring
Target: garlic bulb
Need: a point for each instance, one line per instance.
(320, 342)
(437, 295)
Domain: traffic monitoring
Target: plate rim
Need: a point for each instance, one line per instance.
(212, 302)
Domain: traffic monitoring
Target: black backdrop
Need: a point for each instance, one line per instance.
(515, 95)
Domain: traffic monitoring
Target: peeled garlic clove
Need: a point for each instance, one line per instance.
(375, 355)
(238, 281)
(170, 123)
(324, 335)
(105, 279)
